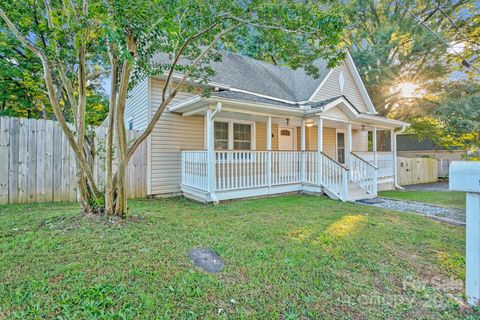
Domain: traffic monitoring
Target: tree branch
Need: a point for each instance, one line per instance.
(164, 103)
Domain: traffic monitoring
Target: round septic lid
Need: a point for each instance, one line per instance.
(206, 259)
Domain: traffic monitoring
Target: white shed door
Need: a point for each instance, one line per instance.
(286, 138)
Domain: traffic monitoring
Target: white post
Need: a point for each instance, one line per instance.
(319, 150)
(211, 154)
(302, 148)
(349, 149)
(472, 275)
(374, 146)
(465, 176)
(269, 153)
(393, 143)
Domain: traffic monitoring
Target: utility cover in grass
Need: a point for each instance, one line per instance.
(206, 259)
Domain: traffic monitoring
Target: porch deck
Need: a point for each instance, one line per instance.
(238, 174)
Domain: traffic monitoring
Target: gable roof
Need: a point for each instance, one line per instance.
(260, 77)
(255, 76)
(243, 74)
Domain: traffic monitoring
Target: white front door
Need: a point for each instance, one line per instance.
(286, 138)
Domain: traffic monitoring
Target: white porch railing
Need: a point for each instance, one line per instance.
(384, 162)
(334, 177)
(240, 169)
(254, 169)
(364, 174)
(311, 164)
(194, 169)
(286, 167)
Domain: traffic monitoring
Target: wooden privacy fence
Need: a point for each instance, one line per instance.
(38, 165)
(416, 170)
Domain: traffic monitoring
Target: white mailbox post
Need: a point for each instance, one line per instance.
(465, 176)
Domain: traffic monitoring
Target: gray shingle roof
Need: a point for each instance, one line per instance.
(260, 77)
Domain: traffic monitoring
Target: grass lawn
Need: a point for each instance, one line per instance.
(291, 257)
(453, 199)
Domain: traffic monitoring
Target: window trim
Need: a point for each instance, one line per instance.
(230, 131)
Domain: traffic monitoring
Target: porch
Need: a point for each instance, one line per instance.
(249, 154)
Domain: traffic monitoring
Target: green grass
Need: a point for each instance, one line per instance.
(444, 198)
(292, 257)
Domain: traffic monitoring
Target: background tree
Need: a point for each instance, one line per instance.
(22, 89)
(74, 39)
(401, 62)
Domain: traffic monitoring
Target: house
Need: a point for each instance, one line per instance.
(410, 146)
(263, 130)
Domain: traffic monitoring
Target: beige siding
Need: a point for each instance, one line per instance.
(329, 140)
(172, 133)
(136, 107)
(261, 135)
(331, 88)
(359, 141)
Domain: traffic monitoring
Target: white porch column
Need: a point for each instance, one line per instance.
(319, 150)
(269, 154)
(393, 143)
(374, 146)
(211, 152)
(349, 147)
(302, 148)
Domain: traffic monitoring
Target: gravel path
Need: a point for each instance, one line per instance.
(437, 186)
(454, 214)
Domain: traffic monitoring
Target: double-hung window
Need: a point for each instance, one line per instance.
(231, 135)
(221, 135)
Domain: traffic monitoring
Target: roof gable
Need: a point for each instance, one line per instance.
(344, 80)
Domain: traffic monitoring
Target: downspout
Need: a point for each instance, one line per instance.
(211, 151)
(395, 175)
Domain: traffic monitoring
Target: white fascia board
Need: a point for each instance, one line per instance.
(263, 106)
(333, 104)
(185, 103)
(359, 81)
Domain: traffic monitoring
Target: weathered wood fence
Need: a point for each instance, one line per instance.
(38, 165)
(416, 170)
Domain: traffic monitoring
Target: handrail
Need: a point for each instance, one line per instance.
(335, 161)
(362, 159)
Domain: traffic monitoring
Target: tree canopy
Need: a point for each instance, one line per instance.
(77, 41)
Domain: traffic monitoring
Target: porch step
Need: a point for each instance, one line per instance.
(356, 193)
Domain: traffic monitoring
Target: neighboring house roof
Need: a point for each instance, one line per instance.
(411, 142)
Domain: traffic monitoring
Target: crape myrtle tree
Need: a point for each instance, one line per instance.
(74, 39)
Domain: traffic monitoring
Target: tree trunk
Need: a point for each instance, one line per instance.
(120, 181)
(109, 196)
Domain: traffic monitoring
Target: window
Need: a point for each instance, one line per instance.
(341, 147)
(231, 135)
(221, 135)
(285, 133)
(242, 136)
(130, 124)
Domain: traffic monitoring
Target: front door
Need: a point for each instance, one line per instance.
(286, 138)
